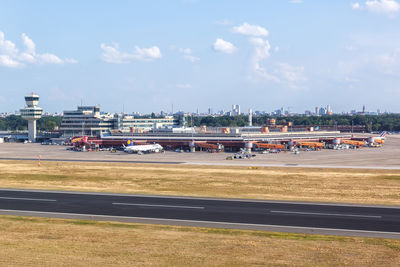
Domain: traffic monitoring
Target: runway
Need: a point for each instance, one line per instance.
(376, 221)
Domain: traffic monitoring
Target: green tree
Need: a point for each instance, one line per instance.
(50, 125)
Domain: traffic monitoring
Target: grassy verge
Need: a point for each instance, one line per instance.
(26, 241)
(302, 184)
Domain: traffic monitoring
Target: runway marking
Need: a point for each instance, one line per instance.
(160, 206)
(325, 214)
(28, 199)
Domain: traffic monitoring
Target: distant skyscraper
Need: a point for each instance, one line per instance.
(236, 109)
(322, 111)
(328, 109)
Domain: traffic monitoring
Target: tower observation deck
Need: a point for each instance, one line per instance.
(31, 113)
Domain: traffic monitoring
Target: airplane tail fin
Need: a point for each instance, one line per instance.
(383, 134)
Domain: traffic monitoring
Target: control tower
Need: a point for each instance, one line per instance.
(31, 113)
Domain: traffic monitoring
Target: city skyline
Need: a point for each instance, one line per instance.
(201, 55)
(234, 111)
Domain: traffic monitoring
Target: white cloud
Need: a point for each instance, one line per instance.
(388, 7)
(7, 61)
(224, 46)
(11, 57)
(251, 30)
(48, 58)
(148, 53)
(112, 54)
(296, 1)
(29, 44)
(187, 55)
(383, 6)
(7, 47)
(280, 72)
(8, 53)
(261, 52)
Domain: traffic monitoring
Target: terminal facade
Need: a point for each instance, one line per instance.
(87, 120)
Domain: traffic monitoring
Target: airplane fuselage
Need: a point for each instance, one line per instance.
(143, 148)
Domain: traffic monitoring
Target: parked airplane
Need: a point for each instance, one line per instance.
(140, 149)
(380, 139)
(372, 140)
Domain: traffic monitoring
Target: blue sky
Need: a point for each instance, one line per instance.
(144, 56)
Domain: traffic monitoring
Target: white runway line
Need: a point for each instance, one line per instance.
(28, 199)
(325, 214)
(160, 206)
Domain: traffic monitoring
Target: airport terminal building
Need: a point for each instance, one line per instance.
(87, 120)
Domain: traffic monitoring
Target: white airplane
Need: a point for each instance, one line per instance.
(380, 139)
(140, 149)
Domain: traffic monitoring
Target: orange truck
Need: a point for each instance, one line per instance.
(311, 144)
(353, 142)
(270, 146)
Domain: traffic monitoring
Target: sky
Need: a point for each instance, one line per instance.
(145, 56)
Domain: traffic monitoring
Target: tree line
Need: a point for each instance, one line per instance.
(385, 122)
(17, 123)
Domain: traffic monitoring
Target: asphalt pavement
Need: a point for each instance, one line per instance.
(321, 218)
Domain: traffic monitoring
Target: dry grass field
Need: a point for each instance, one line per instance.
(26, 241)
(301, 184)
